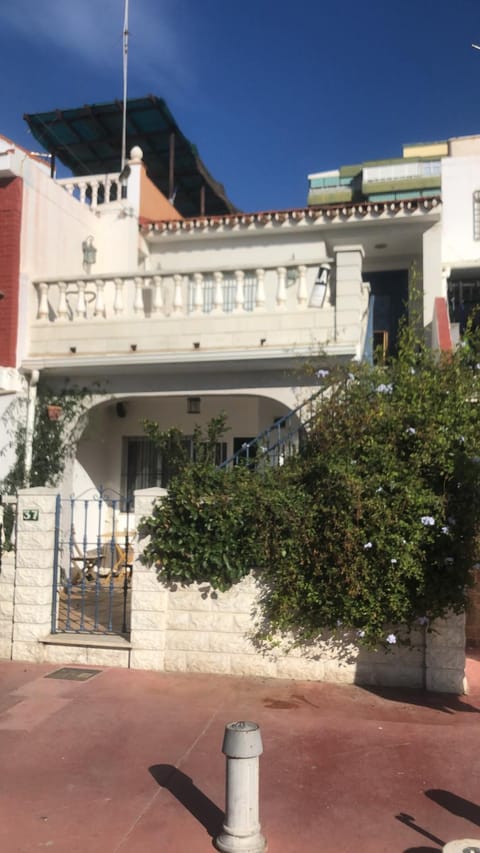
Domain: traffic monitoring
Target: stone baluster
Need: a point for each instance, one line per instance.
(81, 311)
(42, 301)
(282, 287)
(62, 310)
(239, 290)
(138, 299)
(217, 292)
(118, 298)
(94, 185)
(157, 299)
(302, 294)
(177, 295)
(83, 192)
(260, 295)
(100, 299)
(197, 293)
(69, 187)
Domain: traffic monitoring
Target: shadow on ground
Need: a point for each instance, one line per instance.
(191, 797)
(456, 805)
(409, 821)
(447, 703)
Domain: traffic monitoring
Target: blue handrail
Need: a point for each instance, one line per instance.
(279, 441)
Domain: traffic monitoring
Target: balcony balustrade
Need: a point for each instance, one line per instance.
(93, 190)
(165, 294)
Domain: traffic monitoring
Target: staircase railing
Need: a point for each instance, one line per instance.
(280, 441)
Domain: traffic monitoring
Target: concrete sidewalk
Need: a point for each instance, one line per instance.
(131, 761)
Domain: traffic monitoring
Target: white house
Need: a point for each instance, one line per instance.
(175, 318)
(177, 310)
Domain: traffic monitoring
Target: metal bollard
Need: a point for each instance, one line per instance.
(465, 845)
(242, 746)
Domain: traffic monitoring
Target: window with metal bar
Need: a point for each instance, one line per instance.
(144, 466)
(476, 215)
(229, 287)
(250, 290)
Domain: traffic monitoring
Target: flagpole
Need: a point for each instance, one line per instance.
(125, 74)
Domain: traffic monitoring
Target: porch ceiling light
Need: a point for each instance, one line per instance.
(89, 252)
(320, 287)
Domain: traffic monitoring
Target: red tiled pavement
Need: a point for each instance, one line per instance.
(131, 762)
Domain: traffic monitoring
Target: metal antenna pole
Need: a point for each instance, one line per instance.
(125, 77)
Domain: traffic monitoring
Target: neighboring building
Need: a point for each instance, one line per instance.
(179, 309)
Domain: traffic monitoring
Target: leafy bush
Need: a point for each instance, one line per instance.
(373, 524)
(54, 441)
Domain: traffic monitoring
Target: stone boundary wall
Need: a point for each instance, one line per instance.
(195, 629)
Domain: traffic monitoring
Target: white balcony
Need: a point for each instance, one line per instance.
(167, 293)
(173, 312)
(93, 190)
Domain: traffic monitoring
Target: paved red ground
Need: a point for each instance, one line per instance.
(131, 762)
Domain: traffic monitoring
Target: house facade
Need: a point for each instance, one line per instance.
(174, 310)
(175, 318)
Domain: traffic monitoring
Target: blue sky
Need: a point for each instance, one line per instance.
(268, 90)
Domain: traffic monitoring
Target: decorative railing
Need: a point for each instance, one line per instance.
(166, 293)
(276, 444)
(94, 190)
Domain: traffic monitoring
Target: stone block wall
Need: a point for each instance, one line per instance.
(209, 631)
(196, 629)
(33, 589)
(7, 582)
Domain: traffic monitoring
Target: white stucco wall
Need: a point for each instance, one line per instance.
(460, 179)
(431, 273)
(99, 453)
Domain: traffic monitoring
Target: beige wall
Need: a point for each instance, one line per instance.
(153, 204)
(99, 455)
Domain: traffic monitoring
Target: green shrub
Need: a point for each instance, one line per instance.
(373, 525)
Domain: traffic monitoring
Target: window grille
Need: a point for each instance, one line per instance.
(145, 467)
(229, 287)
(476, 215)
(250, 290)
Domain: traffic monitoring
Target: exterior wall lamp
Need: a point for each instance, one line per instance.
(320, 287)
(89, 253)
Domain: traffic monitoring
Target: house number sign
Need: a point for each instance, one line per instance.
(30, 514)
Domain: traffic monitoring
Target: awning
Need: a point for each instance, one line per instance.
(88, 141)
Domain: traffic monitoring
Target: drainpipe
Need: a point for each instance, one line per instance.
(30, 424)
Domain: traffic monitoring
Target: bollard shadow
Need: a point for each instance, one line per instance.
(409, 821)
(192, 798)
(454, 804)
(423, 850)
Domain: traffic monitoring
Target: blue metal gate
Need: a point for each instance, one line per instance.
(93, 564)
